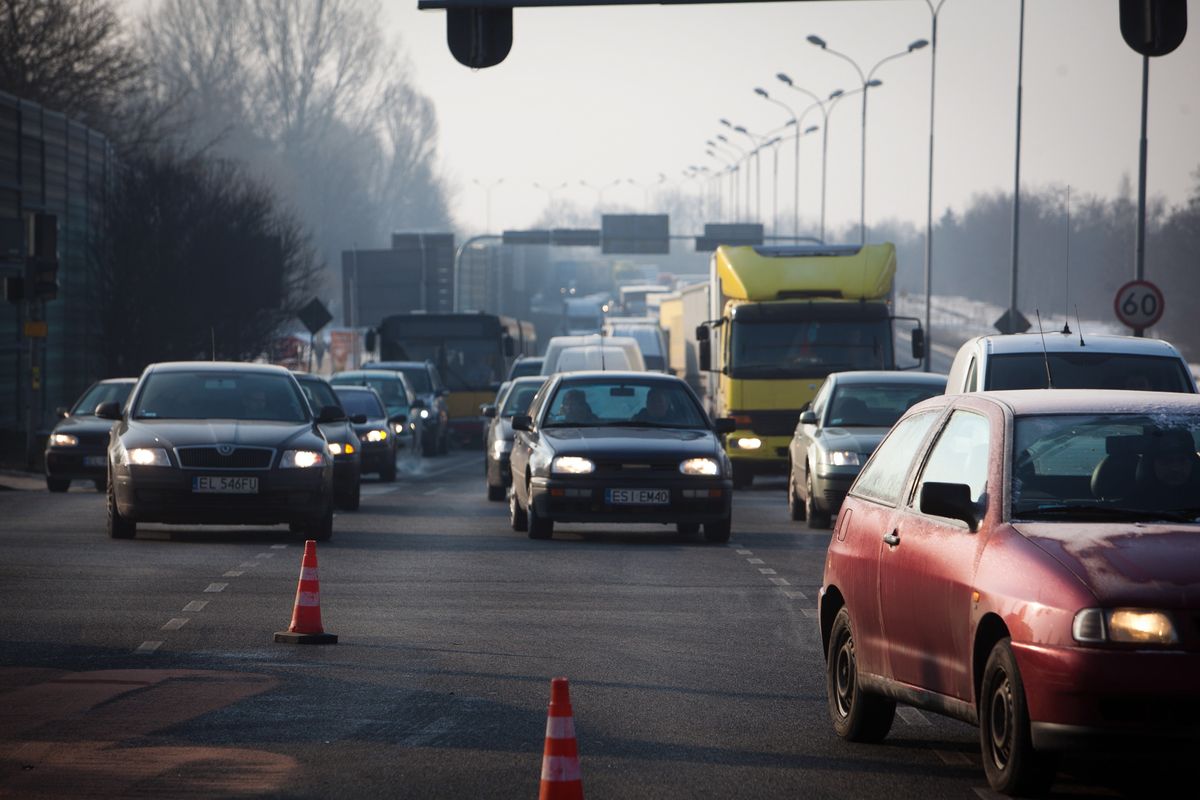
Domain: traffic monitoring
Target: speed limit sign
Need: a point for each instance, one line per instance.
(1139, 304)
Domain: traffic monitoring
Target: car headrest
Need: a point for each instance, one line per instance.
(1114, 476)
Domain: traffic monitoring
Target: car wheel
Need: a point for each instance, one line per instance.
(796, 510)
(118, 526)
(539, 527)
(516, 515)
(718, 532)
(321, 528)
(58, 484)
(857, 716)
(495, 493)
(1012, 765)
(687, 528)
(388, 473)
(742, 476)
(817, 518)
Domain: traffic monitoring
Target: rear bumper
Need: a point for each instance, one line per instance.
(691, 500)
(155, 494)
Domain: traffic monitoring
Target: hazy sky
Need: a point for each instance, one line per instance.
(604, 93)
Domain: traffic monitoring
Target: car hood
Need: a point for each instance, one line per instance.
(1147, 564)
(632, 442)
(856, 440)
(250, 433)
(84, 425)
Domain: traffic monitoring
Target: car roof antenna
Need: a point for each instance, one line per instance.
(1079, 325)
(212, 331)
(1045, 353)
(1067, 269)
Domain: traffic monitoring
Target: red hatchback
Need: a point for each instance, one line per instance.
(1028, 562)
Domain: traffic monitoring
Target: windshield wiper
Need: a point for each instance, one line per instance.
(1107, 512)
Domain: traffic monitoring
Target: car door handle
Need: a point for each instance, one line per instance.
(892, 540)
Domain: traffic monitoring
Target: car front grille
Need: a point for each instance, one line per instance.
(633, 468)
(205, 457)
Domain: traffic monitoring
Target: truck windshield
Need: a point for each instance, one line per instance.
(808, 348)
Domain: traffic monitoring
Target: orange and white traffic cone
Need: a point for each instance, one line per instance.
(561, 778)
(306, 613)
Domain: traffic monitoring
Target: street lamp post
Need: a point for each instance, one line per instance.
(818, 103)
(758, 90)
(743, 156)
(758, 141)
(487, 190)
(600, 190)
(867, 83)
(645, 187)
(731, 169)
(550, 190)
(774, 145)
(933, 13)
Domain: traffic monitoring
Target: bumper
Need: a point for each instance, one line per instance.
(831, 484)
(1088, 698)
(584, 500)
(155, 494)
(374, 456)
(72, 463)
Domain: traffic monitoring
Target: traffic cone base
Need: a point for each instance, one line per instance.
(306, 613)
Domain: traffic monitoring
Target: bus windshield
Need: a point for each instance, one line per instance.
(808, 348)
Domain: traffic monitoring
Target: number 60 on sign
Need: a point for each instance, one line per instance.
(1138, 304)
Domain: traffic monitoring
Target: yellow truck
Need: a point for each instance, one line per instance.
(780, 320)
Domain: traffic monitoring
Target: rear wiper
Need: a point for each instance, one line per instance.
(1107, 512)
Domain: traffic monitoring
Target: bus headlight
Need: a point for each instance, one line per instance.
(748, 443)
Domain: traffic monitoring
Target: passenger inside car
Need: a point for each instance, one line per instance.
(657, 408)
(1169, 470)
(576, 409)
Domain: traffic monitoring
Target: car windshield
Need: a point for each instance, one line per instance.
(875, 405)
(391, 389)
(318, 394)
(807, 348)
(102, 393)
(1087, 371)
(524, 367)
(519, 398)
(418, 378)
(220, 395)
(598, 403)
(1106, 466)
(355, 403)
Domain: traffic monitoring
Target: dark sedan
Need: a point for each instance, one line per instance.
(619, 447)
(344, 446)
(426, 383)
(375, 430)
(76, 447)
(1026, 562)
(840, 429)
(218, 443)
(514, 398)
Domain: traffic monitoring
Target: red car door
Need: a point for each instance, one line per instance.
(927, 566)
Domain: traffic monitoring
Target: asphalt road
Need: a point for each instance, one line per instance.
(147, 667)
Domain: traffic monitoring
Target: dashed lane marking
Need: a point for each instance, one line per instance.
(766, 571)
(175, 623)
(233, 573)
(247, 564)
(216, 587)
(745, 552)
(438, 490)
(195, 605)
(796, 595)
(912, 716)
(265, 555)
(779, 581)
(811, 613)
(278, 546)
(148, 647)
(755, 561)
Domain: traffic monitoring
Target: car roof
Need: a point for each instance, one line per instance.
(216, 366)
(386, 365)
(370, 373)
(117, 380)
(620, 375)
(538, 379)
(1033, 402)
(889, 376)
(353, 387)
(308, 376)
(1058, 342)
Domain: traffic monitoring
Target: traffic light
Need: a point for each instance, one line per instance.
(44, 258)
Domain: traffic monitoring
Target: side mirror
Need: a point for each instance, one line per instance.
(359, 419)
(918, 344)
(109, 410)
(701, 333)
(522, 422)
(61, 413)
(808, 418)
(705, 353)
(488, 411)
(950, 500)
(330, 414)
(724, 425)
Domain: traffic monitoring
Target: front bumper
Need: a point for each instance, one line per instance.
(164, 494)
(583, 500)
(831, 484)
(499, 471)
(70, 463)
(1091, 698)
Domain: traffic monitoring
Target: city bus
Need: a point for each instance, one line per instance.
(472, 351)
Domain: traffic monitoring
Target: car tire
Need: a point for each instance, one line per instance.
(495, 493)
(742, 476)
(687, 528)
(321, 528)
(119, 527)
(351, 499)
(1012, 765)
(857, 716)
(796, 510)
(58, 484)
(517, 517)
(388, 473)
(539, 527)
(817, 518)
(718, 532)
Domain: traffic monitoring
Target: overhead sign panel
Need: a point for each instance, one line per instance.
(635, 234)
(525, 237)
(731, 235)
(575, 237)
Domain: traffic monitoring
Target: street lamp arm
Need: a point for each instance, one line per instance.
(893, 57)
(817, 101)
(848, 59)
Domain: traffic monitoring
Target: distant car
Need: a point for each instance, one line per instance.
(525, 365)
(344, 446)
(402, 404)
(374, 427)
(514, 398)
(75, 449)
(617, 448)
(218, 443)
(1022, 361)
(426, 384)
(648, 335)
(597, 357)
(1026, 562)
(557, 344)
(839, 430)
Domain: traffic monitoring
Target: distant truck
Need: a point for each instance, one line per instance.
(780, 319)
(582, 315)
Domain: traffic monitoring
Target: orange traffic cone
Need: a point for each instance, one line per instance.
(560, 762)
(306, 613)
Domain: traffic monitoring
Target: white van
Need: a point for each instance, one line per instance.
(1019, 361)
(558, 344)
(594, 357)
(644, 331)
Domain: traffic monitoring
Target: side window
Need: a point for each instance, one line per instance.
(882, 479)
(820, 401)
(972, 377)
(960, 455)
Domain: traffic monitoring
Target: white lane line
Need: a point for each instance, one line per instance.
(278, 546)
(233, 573)
(796, 595)
(216, 587)
(766, 571)
(247, 564)
(377, 491)
(438, 490)
(811, 613)
(265, 555)
(195, 605)
(779, 581)
(174, 624)
(755, 561)
(148, 647)
(912, 716)
(745, 552)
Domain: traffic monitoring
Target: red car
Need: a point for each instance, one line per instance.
(1028, 562)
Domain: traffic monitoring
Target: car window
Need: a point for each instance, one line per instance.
(875, 405)
(318, 394)
(821, 401)
(960, 455)
(1087, 371)
(356, 403)
(418, 379)
(391, 389)
(617, 402)
(102, 393)
(882, 479)
(972, 376)
(221, 395)
(518, 399)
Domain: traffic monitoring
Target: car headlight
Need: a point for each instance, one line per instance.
(376, 435)
(700, 466)
(842, 458)
(1124, 626)
(64, 440)
(501, 448)
(398, 428)
(301, 459)
(146, 457)
(748, 442)
(338, 449)
(572, 465)
(424, 413)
